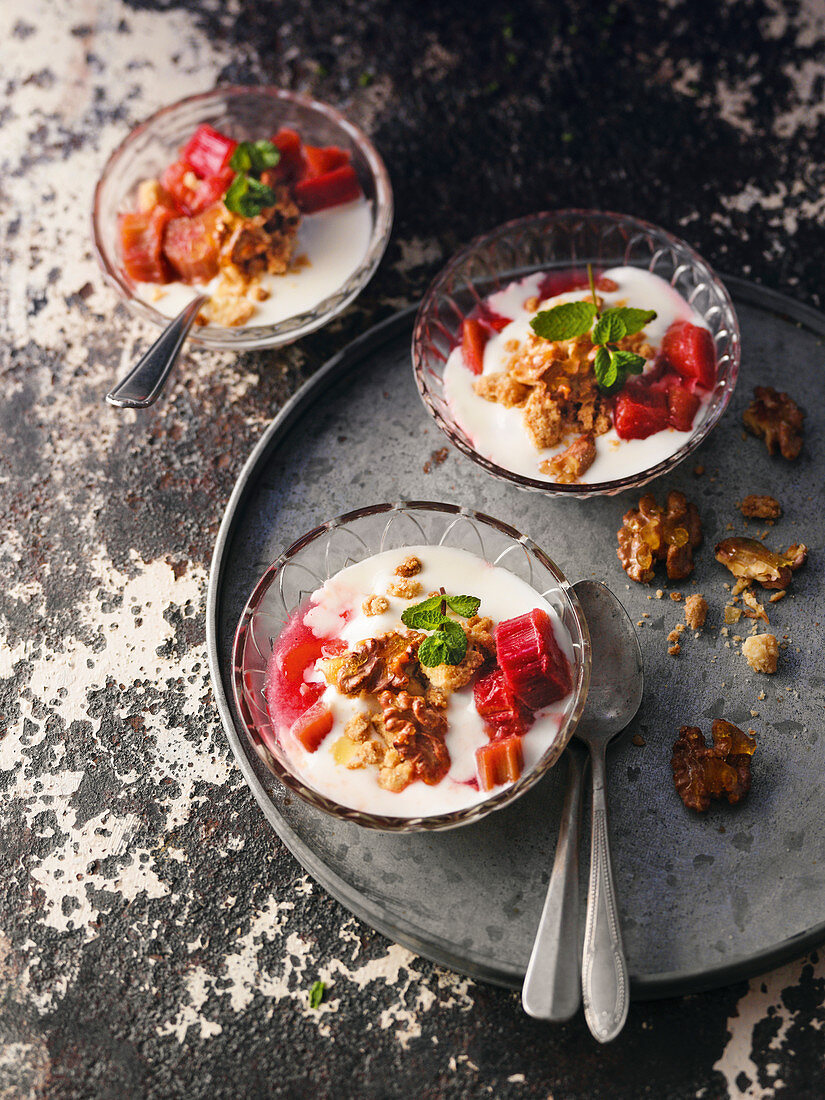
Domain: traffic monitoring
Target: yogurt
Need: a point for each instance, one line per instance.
(334, 242)
(335, 610)
(498, 433)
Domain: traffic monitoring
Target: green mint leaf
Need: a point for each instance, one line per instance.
(423, 618)
(241, 159)
(316, 994)
(248, 197)
(627, 362)
(609, 328)
(434, 650)
(604, 371)
(254, 156)
(564, 322)
(465, 606)
(262, 194)
(634, 319)
(419, 612)
(236, 193)
(455, 640)
(264, 155)
(445, 646)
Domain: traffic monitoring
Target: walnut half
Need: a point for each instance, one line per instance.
(751, 560)
(701, 773)
(777, 419)
(651, 533)
(416, 728)
(374, 664)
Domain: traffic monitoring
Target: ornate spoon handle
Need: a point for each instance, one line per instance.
(604, 970)
(552, 984)
(142, 385)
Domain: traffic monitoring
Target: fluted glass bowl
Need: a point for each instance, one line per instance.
(555, 240)
(246, 114)
(350, 538)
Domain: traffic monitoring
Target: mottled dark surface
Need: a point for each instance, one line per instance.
(156, 938)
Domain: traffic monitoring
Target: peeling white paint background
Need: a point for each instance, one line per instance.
(167, 59)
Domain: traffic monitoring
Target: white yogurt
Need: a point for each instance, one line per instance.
(334, 241)
(499, 434)
(503, 596)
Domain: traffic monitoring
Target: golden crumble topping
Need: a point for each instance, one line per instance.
(404, 587)
(502, 389)
(762, 652)
(696, 610)
(359, 727)
(409, 567)
(760, 507)
(375, 605)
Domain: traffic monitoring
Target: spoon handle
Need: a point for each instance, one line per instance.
(604, 970)
(552, 984)
(142, 385)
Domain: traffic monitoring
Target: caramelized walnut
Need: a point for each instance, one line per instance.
(650, 533)
(569, 466)
(416, 730)
(797, 555)
(777, 419)
(760, 507)
(751, 560)
(723, 770)
(374, 664)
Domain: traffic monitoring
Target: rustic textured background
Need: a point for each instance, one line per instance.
(156, 937)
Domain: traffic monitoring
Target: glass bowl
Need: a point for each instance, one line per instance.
(350, 538)
(245, 114)
(559, 239)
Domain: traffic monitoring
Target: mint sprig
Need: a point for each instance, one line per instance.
(447, 643)
(316, 994)
(612, 365)
(246, 195)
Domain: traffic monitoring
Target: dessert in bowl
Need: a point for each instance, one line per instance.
(576, 352)
(270, 202)
(411, 666)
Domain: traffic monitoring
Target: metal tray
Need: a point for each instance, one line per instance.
(705, 900)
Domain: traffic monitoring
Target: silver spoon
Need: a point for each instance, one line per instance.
(142, 385)
(551, 984)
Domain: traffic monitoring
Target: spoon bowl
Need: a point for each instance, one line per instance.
(552, 983)
(617, 676)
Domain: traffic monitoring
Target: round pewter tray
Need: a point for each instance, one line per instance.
(705, 899)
